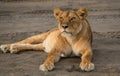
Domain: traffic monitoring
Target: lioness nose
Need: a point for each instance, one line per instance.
(65, 27)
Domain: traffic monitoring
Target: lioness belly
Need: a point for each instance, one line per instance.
(50, 41)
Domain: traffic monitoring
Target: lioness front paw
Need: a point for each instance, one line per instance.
(87, 66)
(13, 48)
(46, 67)
(5, 48)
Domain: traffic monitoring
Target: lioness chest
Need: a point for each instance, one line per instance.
(53, 41)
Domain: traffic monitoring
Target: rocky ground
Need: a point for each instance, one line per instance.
(19, 20)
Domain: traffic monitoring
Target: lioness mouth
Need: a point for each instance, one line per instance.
(67, 32)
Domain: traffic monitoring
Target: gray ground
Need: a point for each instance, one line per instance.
(19, 20)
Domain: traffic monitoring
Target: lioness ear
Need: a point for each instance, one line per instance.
(82, 12)
(57, 12)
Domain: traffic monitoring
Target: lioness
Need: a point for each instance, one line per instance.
(73, 36)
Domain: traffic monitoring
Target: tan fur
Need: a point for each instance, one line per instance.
(73, 36)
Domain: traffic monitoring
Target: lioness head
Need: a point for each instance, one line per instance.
(69, 22)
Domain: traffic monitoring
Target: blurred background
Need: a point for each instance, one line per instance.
(37, 15)
(20, 19)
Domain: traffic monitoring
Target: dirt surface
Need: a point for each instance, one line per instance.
(19, 20)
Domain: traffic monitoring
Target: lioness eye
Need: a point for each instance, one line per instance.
(56, 14)
(72, 18)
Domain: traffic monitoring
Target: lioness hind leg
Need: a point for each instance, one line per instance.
(31, 40)
(86, 64)
(14, 48)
